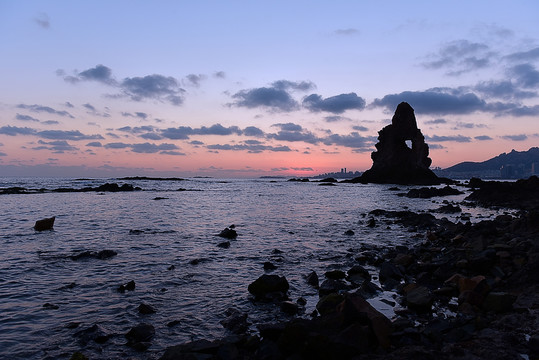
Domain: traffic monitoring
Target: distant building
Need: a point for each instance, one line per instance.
(343, 174)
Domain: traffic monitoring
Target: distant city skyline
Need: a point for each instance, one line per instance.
(249, 89)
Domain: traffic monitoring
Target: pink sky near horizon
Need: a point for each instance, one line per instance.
(239, 91)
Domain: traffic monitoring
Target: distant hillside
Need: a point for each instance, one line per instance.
(516, 164)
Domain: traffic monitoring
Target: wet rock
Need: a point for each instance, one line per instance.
(236, 321)
(160, 198)
(312, 279)
(173, 323)
(130, 286)
(77, 355)
(49, 306)
(533, 344)
(228, 233)
(498, 302)
(268, 265)
(224, 244)
(44, 224)
(371, 223)
(426, 193)
(389, 271)
(139, 336)
(418, 298)
(332, 286)
(93, 333)
(521, 194)
(328, 303)
(289, 307)
(349, 233)
(358, 275)
(267, 284)
(101, 255)
(449, 209)
(335, 274)
(146, 309)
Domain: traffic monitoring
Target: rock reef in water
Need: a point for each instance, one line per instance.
(396, 163)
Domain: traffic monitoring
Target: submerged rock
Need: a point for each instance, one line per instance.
(267, 284)
(139, 336)
(228, 233)
(44, 224)
(130, 286)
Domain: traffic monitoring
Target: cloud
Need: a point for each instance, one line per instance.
(269, 97)
(217, 129)
(460, 56)
(334, 104)
(50, 122)
(149, 148)
(99, 73)
(25, 118)
(117, 145)
(151, 136)
(196, 143)
(441, 101)
(360, 128)
(289, 127)
(94, 144)
(346, 32)
(293, 85)
(43, 21)
(254, 149)
(137, 129)
(482, 137)
(45, 109)
(14, 130)
(174, 153)
(526, 75)
(158, 87)
(436, 121)
(179, 133)
(75, 135)
(353, 140)
(68, 104)
(138, 114)
(253, 131)
(194, 80)
(303, 169)
(503, 89)
(520, 137)
(443, 138)
(58, 147)
(219, 75)
(529, 55)
(293, 132)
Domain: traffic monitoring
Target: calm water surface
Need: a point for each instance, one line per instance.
(303, 220)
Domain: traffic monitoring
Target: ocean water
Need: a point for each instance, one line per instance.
(304, 221)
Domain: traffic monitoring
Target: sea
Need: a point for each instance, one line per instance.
(165, 236)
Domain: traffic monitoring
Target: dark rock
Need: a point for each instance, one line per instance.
(312, 279)
(358, 275)
(44, 224)
(49, 306)
(267, 284)
(389, 271)
(498, 302)
(418, 298)
(224, 244)
(160, 198)
(173, 323)
(77, 355)
(101, 255)
(335, 274)
(349, 232)
(139, 336)
(328, 303)
(93, 333)
(236, 321)
(228, 233)
(130, 286)
(394, 162)
(521, 194)
(146, 309)
(268, 265)
(371, 223)
(332, 286)
(426, 193)
(289, 307)
(449, 209)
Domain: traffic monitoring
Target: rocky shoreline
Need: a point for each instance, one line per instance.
(466, 291)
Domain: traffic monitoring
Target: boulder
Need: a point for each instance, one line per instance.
(139, 336)
(228, 233)
(44, 224)
(393, 161)
(267, 284)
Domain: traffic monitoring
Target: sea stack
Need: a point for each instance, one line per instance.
(394, 162)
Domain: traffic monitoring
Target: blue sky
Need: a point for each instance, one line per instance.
(250, 88)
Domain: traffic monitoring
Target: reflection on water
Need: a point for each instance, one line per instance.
(305, 221)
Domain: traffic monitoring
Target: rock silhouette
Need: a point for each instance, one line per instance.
(396, 163)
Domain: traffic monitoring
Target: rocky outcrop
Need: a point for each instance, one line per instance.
(44, 224)
(393, 161)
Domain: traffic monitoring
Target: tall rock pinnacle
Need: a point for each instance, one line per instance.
(396, 163)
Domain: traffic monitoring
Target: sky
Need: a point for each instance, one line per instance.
(239, 89)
